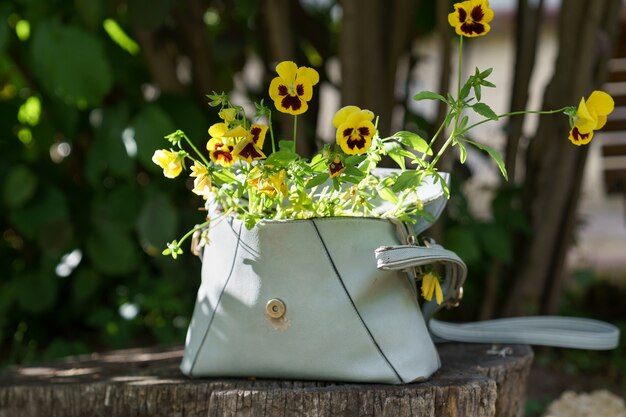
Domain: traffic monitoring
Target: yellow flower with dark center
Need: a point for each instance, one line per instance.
(354, 129)
(249, 149)
(220, 146)
(430, 286)
(171, 162)
(293, 87)
(269, 185)
(471, 18)
(202, 179)
(590, 116)
(336, 167)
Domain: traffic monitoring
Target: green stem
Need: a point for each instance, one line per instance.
(192, 231)
(196, 150)
(295, 130)
(269, 122)
(515, 113)
(458, 86)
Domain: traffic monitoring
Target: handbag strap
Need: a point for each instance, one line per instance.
(566, 332)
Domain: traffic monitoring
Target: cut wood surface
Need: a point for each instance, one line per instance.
(474, 381)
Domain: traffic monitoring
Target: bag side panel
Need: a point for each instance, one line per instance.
(386, 300)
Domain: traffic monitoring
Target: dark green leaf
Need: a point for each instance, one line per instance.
(286, 145)
(150, 127)
(486, 73)
(408, 179)
(19, 186)
(464, 243)
(85, 283)
(149, 13)
(413, 141)
(49, 206)
(281, 158)
(495, 242)
(157, 223)
(429, 95)
(495, 155)
(37, 291)
(112, 251)
(317, 180)
(70, 63)
(485, 110)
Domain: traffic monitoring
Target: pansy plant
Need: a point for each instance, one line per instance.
(245, 177)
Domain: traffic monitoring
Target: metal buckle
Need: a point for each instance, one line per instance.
(456, 300)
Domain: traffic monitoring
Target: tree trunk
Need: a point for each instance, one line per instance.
(143, 382)
(554, 165)
(374, 35)
(526, 34)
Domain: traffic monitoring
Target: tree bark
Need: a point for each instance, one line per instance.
(526, 35)
(142, 382)
(374, 36)
(553, 164)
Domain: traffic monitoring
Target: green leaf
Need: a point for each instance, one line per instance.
(281, 158)
(495, 155)
(70, 63)
(37, 291)
(391, 149)
(386, 194)
(355, 159)
(224, 176)
(149, 13)
(317, 180)
(477, 91)
(462, 152)
(157, 223)
(150, 127)
(464, 122)
(464, 243)
(112, 251)
(287, 145)
(485, 110)
(486, 73)
(413, 141)
(31, 218)
(429, 95)
(19, 186)
(85, 283)
(495, 242)
(406, 180)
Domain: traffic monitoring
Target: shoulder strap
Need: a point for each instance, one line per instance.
(566, 332)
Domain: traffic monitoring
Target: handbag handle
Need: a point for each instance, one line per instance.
(569, 332)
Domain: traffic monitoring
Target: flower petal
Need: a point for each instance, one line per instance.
(578, 138)
(287, 70)
(309, 74)
(218, 129)
(257, 134)
(584, 121)
(248, 151)
(601, 103)
(342, 115)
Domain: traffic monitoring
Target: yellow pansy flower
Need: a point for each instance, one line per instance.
(270, 185)
(471, 18)
(171, 162)
(293, 87)
(249, 149)
(591, 115)
(430, 286)
(354, 129)
(202, 182)
(220, 146)
(336, 167)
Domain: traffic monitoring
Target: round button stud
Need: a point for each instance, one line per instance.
(275, 308)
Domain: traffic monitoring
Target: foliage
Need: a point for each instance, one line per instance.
(81, 213)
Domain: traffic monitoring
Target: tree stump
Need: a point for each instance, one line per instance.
(475, 380)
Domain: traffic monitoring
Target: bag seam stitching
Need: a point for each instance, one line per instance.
(356, 310)
(219, 300)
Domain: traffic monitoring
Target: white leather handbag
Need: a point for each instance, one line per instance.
(335, 299)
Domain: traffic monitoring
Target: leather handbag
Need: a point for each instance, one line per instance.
(336, 299)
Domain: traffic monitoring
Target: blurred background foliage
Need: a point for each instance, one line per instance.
(89, 88)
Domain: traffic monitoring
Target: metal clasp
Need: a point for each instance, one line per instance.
(275, 308)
